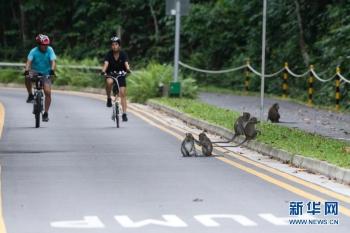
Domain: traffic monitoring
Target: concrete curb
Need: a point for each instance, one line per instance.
(313, 165)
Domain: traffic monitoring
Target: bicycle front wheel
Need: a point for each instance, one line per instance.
(117, 115)
(37, 119)
(37, 110)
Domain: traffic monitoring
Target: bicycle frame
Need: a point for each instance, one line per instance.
(38, 105)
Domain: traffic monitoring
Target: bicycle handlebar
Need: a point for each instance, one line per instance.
(38, 76)
(115, 74)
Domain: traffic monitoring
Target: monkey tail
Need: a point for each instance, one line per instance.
(231, 140)
(287, 122)
(238, 143)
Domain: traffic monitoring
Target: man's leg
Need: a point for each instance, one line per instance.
(109, 85)
(122, 95)
(28, 84)
(47, 91)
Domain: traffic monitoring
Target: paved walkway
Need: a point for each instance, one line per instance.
(327, 123)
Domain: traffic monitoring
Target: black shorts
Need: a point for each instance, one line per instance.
(121, 82)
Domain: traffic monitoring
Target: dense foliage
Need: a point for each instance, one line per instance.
(215, 35)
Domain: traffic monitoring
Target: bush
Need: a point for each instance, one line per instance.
(75, 77)
(189, 88)
(145, 84)
(11, 76)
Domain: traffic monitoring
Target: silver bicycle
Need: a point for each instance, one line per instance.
(116, 105)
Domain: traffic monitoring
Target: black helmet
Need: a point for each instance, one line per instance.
(115, 39)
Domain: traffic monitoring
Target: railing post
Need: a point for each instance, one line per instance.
(246, 82)
(337, 89)
(310, 85)
(285, 81)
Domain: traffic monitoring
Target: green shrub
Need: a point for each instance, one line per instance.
(11, 76)
(189, 88)
(145, 84)
(78, 77)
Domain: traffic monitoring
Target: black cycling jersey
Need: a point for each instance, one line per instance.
(116, 65)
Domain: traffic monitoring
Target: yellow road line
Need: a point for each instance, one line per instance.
(281, 184)
(265, 177)
(2, 120)
(273, 170)
(291, 178)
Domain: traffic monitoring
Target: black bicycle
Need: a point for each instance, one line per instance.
(116, 105)
(38, 103)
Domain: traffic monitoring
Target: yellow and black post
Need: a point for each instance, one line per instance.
(285, 81)
(311, 88)
(337, 89)
(246, 81)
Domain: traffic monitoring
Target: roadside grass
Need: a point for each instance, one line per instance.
(294, 141)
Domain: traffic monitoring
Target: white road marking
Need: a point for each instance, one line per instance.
(170, 221)
(88, 222)
(207, 219)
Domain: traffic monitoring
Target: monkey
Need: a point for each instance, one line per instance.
(273, 114)
(250, 132)
(238, 126)
(207, 146)
(188, 146)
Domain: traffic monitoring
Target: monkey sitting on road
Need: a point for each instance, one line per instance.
(188, 146)
(273, 114)
(238, 126)
(207, 146)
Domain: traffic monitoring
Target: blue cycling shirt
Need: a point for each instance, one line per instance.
(41, 61)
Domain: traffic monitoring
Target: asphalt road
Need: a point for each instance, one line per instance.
(78, 173)
(326, 123)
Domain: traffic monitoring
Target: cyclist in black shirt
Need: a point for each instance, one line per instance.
(116, 60)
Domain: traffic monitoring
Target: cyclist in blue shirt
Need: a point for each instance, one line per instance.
(41, 59)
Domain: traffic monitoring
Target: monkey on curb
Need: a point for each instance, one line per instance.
(207, 146)
(188, 146)
(273, 114)
(238, 127)
(250, 131)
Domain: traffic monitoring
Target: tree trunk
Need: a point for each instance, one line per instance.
(302, 44)
(2, 24)
(22, 22)
(155, 21)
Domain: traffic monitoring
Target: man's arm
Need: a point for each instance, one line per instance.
(28, 65)
(127, 66)
(53, 65)
(105, 66)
